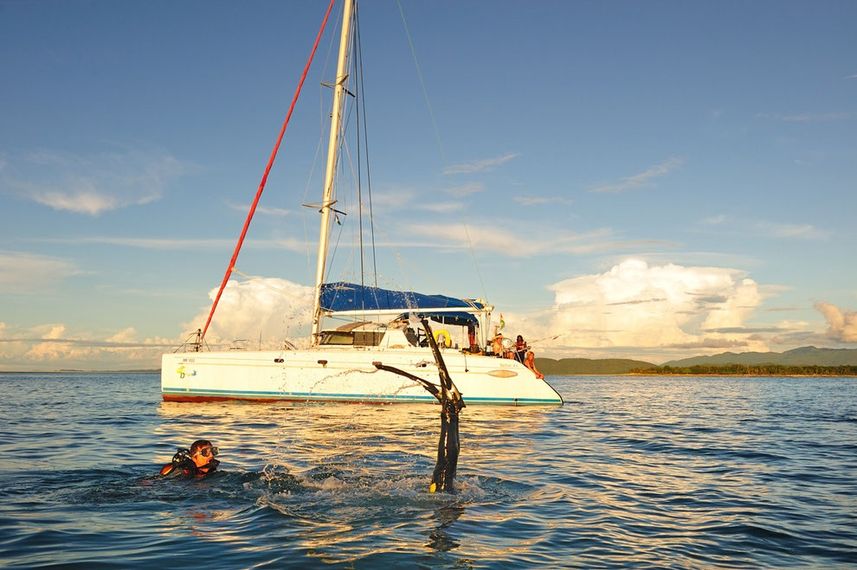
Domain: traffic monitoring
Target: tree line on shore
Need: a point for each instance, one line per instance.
(750, 370)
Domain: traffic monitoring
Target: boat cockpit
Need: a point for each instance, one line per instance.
(398, 334)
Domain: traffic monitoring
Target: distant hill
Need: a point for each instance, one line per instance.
(804, 356)
(588, 366)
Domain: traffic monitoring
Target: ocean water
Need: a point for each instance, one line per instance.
(632, 472)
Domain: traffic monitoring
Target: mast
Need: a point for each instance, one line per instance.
(332, 152)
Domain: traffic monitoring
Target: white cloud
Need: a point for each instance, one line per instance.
(262, 210)
(127, 335)
(515, 239)
(637, 305)
(808, 117)
(539, 200)
(53, 347)
(706, 344)
(289, 244)
(404, 198)
(9, 347)
(484, 165)
(465, 189)
(80, 201)
(28, 273)
(459, 235)
(273, 308)
(640, 179)
(54, 350)
(393, 200)
(841, 325)
(797, 231)
(91, 184)
(715, 220)
(155, 243)
(408, 200)
(442, 207)
(766, 228)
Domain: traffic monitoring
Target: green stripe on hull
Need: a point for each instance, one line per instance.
(344, 397)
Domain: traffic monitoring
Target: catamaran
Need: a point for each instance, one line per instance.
(346, 363)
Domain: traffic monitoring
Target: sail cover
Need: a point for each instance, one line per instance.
(343, 296)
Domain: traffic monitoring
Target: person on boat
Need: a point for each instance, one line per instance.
(521, 349)
(508, 348)
(530, 362)
(471, 339)
(497, 344)
(196, 462)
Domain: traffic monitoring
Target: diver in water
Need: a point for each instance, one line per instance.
(196, 462)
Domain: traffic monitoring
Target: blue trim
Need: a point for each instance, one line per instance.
(345, 397)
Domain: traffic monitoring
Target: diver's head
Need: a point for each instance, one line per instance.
(202, 452)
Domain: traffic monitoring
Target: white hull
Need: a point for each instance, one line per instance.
(346, 375)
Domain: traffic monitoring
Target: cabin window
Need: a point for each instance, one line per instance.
(337, 338)
(367, 338)
(352, 338)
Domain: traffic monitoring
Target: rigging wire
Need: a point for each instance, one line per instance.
(475, 262)
(437, 134)
(422, 81)
(322, 128)
(264, 180)
(335, 248)
(345, 150)
(355, 46)
(343, 127)
(362, 101)
(357, 112)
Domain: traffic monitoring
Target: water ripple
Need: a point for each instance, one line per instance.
(631, 472)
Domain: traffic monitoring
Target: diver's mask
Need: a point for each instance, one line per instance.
(209, 451)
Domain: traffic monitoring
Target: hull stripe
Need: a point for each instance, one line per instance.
(196, 394)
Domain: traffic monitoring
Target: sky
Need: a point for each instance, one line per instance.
(650, 180)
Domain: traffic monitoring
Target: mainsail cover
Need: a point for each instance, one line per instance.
(341, 296)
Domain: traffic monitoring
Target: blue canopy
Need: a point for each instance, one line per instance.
(343, 296)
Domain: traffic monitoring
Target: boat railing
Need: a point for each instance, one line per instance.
(193, 343)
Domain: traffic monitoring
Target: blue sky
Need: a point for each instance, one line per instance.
(649, 180)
